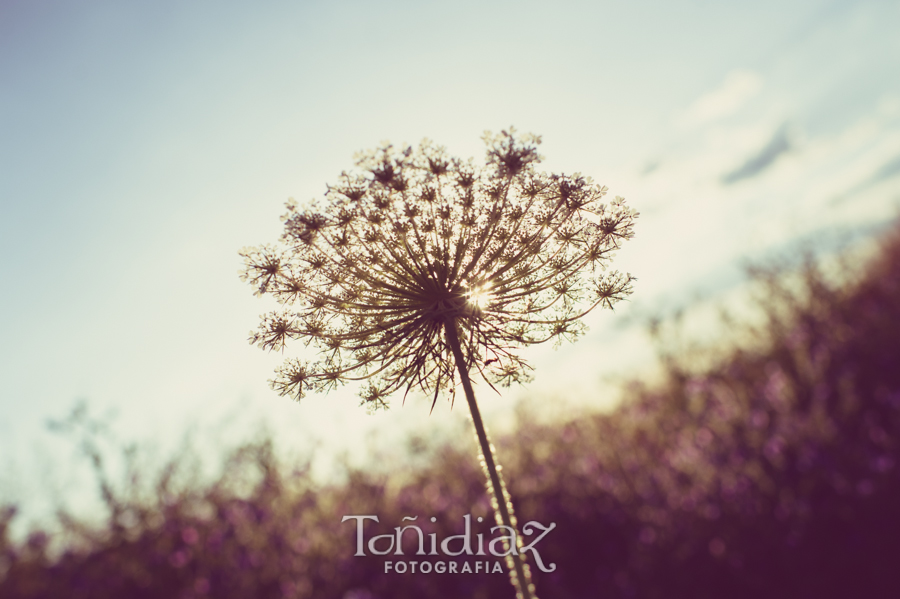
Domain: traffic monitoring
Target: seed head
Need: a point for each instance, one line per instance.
(414, 240)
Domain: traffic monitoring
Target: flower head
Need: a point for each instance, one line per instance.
(414, 241)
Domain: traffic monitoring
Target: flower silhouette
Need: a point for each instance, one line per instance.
(415, 243)
(419, 267)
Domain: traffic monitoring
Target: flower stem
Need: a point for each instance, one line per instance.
(519, 573)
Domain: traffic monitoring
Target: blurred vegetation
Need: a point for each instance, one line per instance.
(771, 473)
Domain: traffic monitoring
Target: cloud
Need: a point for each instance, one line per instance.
(887, 170)
(738, 87)
(778, 145)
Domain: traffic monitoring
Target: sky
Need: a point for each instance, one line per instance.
(143, 144)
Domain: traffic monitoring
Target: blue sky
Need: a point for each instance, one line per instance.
(142, 145)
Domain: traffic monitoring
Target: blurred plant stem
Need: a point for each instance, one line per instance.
(518, 570)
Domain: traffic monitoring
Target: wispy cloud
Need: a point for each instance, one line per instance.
(738, 87)
(887, 171)
(883, 174)
(779, 144)
(790, 175)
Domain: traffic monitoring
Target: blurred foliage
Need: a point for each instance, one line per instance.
(773, 473)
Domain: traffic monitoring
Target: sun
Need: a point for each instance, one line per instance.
(480, 296)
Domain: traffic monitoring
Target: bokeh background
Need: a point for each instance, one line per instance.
(143, 144)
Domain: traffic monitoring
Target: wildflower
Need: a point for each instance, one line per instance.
(416, 243)
(418, 267)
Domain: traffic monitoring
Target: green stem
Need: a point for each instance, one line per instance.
(519, 572)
